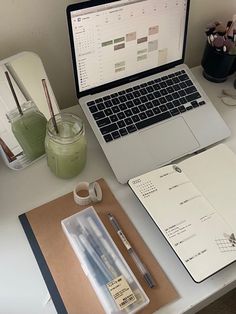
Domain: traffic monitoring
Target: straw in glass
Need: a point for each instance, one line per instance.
(14, 93)
(7, 151)
(50, 105)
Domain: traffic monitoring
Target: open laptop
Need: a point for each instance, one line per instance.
(143, 104)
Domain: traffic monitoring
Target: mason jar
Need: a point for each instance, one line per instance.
(29, 129)
(66, 150)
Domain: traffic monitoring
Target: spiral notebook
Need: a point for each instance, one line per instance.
(193, 204)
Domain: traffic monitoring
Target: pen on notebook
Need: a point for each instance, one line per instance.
(142, 268)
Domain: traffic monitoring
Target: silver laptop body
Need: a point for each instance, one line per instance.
(121, 48)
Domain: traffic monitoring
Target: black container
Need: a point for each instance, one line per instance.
(233, 68)
(216, 65)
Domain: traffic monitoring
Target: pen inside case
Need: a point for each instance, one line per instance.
(110, 276)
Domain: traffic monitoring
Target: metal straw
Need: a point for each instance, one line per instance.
(14, 93)
(7, 151)
(50, 105)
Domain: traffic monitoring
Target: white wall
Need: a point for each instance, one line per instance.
(40, 26)
(201, 13)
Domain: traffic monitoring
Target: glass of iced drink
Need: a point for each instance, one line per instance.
(66, 149)
(29, 128)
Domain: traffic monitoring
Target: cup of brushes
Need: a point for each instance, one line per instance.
(219, 57)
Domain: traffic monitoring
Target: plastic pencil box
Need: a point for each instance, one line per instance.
(114, 283)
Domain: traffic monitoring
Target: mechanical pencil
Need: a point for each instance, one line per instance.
(142, 268)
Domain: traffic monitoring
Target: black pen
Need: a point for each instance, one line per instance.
(142, 268)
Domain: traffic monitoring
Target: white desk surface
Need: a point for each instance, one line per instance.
(22, 288)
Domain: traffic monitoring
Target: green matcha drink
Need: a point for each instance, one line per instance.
(66, 150)
(29, 129)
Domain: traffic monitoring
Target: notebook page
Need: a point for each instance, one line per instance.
(192, 226)
(214, 173)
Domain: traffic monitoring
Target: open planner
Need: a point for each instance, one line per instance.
(193, 203)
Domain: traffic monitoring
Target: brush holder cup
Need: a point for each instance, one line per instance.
(217, 65)
(233, 68)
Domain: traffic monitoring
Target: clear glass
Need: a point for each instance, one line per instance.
(29, 129)
(67, 150)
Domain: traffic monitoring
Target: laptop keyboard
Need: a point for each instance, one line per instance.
(138, 107)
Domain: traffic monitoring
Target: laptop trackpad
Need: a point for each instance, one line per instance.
(169, 140)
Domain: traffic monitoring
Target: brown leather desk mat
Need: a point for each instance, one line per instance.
(69, 287)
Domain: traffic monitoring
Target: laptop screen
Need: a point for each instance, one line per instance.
(115, 40)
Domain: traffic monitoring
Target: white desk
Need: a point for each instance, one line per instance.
(22, 289)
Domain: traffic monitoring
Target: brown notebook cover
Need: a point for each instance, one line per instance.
(68, 286)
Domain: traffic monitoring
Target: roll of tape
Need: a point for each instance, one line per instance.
(93, 190)
(79, 199)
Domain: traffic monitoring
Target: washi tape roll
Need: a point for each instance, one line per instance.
(92, 191)
(95, 192)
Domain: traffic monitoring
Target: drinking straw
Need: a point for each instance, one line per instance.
(14, 93)
(7, 151)
(50, 105)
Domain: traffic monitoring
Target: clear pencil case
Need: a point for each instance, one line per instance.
(110, 276)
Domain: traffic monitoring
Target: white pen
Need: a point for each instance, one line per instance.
(142, 268)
